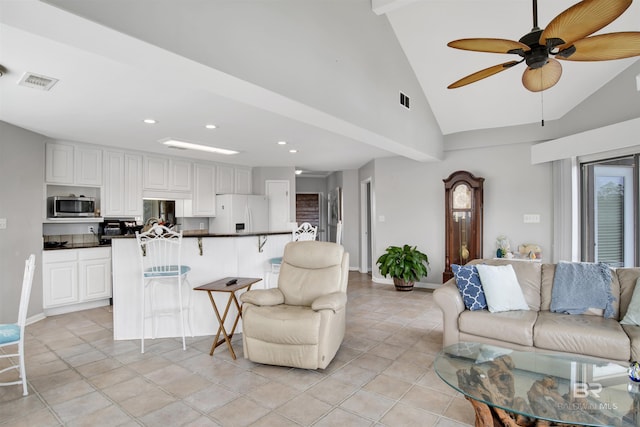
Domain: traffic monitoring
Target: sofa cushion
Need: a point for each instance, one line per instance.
(510, 326)
(632, 314)
(633, 332)
(581, 334)
(468, 283)
(529, 277)
(501, 287)
(627, 278)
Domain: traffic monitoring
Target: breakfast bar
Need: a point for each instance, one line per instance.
(211, 257)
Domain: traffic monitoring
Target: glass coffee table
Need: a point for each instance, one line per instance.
(517, 388)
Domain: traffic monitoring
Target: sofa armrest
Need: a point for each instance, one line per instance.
(263, 297)
(448, 299)
(334, 301)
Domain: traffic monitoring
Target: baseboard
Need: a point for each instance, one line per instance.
(35, 318)
(75, 307)
(423, 285)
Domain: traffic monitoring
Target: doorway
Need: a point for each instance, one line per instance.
(366, 226)
(308, 210)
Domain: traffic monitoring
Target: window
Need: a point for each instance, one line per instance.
(609, 214)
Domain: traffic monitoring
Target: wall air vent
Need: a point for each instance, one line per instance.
(404, 100)
(37, 81)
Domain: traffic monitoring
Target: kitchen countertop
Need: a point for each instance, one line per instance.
(205, 233)
(77, 246)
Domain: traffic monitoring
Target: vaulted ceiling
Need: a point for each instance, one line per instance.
(323, 75)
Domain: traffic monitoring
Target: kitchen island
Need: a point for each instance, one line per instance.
(211, 257)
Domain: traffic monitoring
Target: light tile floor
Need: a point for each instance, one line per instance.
(382, 375)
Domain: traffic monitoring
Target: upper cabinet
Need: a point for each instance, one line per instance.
(204, 190)
(88, 166)
(164, 174)
(73, 164)
(123, 184)
(233, 180)
(242, 180)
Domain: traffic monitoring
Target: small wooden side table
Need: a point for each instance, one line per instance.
(221, 286)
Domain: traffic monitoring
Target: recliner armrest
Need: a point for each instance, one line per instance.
(263, 297)
(334, 301)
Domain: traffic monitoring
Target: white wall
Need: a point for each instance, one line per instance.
(410, 197)
(22, 198)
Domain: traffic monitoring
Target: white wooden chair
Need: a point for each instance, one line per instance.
(161, 264)
(13, 333)
(305, 231)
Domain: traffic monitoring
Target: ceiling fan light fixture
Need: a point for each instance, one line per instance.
(543, 78)
(175, 143)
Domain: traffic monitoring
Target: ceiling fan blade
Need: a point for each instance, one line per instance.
(605, 47)
(479, 75)
(581, 20)
(542, 78)
(489, 45)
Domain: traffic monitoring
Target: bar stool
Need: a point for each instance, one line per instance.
(13, 333)
(160, 259)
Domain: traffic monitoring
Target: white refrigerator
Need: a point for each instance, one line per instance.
(238, 213)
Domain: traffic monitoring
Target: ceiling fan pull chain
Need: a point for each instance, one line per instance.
(542, 107)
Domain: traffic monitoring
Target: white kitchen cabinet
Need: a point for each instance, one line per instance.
(123, 184)
(164, 174)
(59, 278)
(156, 173)
(225, 182)
(233, 180)
(88, 166)
(94, 273)
(242, 180)
(73, 164)
(179, 175)
(204, 190)
(133, 185)
(59, 163)
(75, 279)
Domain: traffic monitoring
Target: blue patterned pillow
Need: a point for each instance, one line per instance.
(468, 283)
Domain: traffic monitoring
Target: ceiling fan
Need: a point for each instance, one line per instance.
(565, 38)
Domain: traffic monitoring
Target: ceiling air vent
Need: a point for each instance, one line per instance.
(37, 81)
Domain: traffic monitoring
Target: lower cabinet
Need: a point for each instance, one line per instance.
(76, 279)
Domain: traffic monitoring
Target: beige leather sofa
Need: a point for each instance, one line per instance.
(301, 323)
(539, 329)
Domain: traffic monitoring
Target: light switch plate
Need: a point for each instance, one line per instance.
(531, 218)
(3, 223)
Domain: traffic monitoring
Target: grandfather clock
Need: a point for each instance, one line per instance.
(463, 220)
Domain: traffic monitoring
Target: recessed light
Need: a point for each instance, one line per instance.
(210, 126)
(293, 151)
(282, 142)
(298, 171)
(170, 142)
(150, 121)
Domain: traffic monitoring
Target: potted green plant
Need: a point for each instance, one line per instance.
(404, 264)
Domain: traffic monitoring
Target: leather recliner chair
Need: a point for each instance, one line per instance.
(301, 323)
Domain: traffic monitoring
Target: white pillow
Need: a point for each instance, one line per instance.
(632, 317)
(501, 288)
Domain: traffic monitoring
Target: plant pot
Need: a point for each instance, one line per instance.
(401, 285)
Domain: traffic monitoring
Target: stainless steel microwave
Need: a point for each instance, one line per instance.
(70, 207)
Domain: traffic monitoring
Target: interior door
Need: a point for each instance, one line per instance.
(279, 205)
